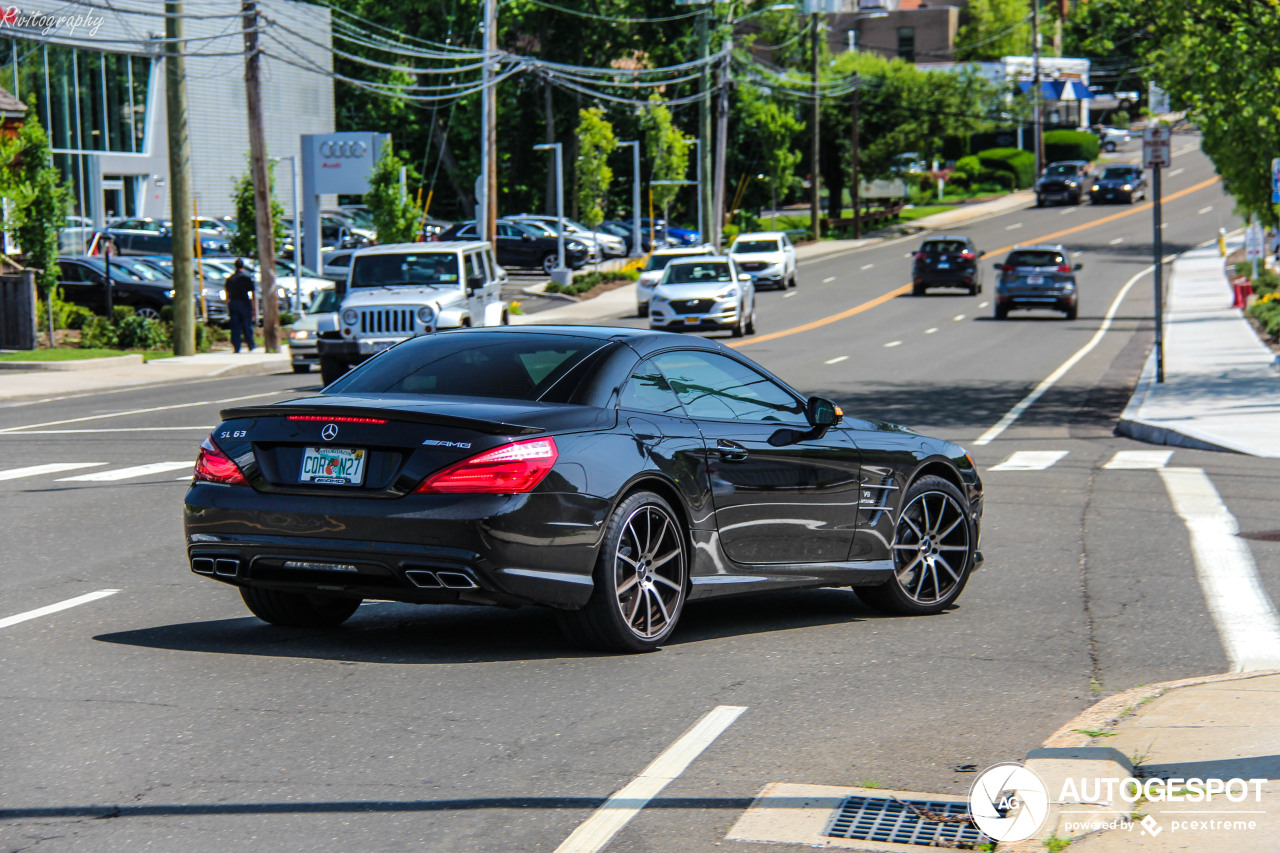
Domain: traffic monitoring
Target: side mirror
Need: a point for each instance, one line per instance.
(742, 276)
(998, 266)
(474, 282)
(821, 412)
(526, 237)
(1079, 266)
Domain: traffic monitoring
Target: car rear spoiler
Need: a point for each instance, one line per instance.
(491, 427)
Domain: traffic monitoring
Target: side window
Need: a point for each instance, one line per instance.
(72, 273)
(491, 268)
(648, 391)
(711, 385)
(475, 265)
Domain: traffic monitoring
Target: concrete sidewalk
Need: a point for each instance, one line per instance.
(52, 379)
(1221, 390)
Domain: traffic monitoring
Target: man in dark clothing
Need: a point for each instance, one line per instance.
(241, 305)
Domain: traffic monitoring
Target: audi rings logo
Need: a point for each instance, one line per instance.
(330, 432)
(333, 149)
(1009, 802)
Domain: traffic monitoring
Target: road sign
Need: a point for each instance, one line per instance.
(1253, 240)
(1275, 181)
(1156, 145)
(1157, 100)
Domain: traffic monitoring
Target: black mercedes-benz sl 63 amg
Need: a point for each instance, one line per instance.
(611, 474)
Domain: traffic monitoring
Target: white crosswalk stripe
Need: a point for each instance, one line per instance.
(52, 468)
(1132, 459)
(127, 473)
(1030, 460)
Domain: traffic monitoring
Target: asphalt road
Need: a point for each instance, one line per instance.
(163, 716)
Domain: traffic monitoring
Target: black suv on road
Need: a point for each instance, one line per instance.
(1062, 181)
(1119, 183)
(946, 262)
(1037, 277)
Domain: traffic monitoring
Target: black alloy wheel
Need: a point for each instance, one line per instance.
(298, 609)
(933, 552)
(641, 580)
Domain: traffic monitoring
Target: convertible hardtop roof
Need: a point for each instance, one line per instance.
(641, 340)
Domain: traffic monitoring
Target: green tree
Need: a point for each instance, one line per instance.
(395, 215)
(773, 129)
(668, 151)
(40, 200)
(595, 143)
(993, 29)
(244, 242)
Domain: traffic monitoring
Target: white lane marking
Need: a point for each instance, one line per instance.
(1030, 460)
(204, 428)
(1176, 172)
(983, 304)
(597, 831)
(893, 344)
(1013, 226)
(126, 473)
(1117, 241)
(958, 317)
(126, 414)
(1066, 210)
(1052, 379)
(828, 279)
(866, 267)
(931, 331)
(1202, 211)
(54, 608)
(837, 359)
(1131, 459)
(789, 295)
(51, 468)
(1241, 609)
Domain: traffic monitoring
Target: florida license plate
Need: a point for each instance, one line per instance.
(333, 466)
(1035, 279)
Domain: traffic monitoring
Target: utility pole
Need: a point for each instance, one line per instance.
(705, 200)
(1037, 128)
(815, 183)
(184, 340)
(489, 132)
(856, 163)
(722, 141)
(261, 181)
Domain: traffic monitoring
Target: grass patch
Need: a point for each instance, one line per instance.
(1095, 733)
(921, 211)
(78, 354)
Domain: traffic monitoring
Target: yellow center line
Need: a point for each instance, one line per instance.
(904, 289)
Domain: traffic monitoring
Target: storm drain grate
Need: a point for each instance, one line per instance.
(890, 820)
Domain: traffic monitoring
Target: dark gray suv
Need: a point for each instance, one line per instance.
(1037, 277)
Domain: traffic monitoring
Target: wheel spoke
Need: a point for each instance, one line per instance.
(666, 582)
(624, 558)
(635, 606)
(933, 572)
(914, 546)
(953, 547)
(924, 508)
(955, 577)
(665, 558)
(627, 584)
(908, 567)
(943, 534)
(648, 616)
(912, 525)
(666, 617)
(654, 544)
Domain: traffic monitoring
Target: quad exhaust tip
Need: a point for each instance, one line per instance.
(424, 579)
(222, 567)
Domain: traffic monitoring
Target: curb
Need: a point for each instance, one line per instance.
(128, 360)
(1131, 426)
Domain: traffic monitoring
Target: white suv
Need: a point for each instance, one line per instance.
(768, 256)
(704, 294)
(653, 271)
(402, 290)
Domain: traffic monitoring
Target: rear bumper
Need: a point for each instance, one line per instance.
(956, 278)
(483, 549)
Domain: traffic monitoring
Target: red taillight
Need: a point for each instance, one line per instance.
(967, 255)
(919, 256)
(1007, 268)
(509, 469)
(336, 420)
(1065, 268)
(214, 466)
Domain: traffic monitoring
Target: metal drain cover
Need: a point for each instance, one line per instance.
(894, 821)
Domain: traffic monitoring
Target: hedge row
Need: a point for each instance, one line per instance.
(1018, 165)
(1070, 145)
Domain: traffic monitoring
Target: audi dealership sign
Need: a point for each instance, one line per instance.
(340, 162)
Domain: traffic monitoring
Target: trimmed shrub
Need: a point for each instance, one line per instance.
(134, 332)
(98, 333)
(582, 282)
(969, 165)
(1266, 311)
(1070, 145)
(1018, 163)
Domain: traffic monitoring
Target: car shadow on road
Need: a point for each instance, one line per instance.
(386, 632)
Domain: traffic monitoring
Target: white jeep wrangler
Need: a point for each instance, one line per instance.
(402, 290)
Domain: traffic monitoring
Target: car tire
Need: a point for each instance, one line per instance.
(1074, 311)
(975, 289)
(549, 262)
(1109, 147)
(626, 576)
(751, 321)
(1039, 201)
(791, 282)
(1002, 311)
(147, 312)
(331, 369)
(301, 368)
(642, 310)
(1077, 198)
(298, 609)
(932, 552)
(740, 327)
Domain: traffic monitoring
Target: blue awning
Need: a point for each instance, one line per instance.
(1059, 90)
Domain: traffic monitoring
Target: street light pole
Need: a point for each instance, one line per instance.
(815, 208)
(856, 187)
(556, 147)
(722, 141)
(635, 193)
(704, 234)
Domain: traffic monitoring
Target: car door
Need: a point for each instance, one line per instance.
(82, 285)
(512, 248)
(783, 493)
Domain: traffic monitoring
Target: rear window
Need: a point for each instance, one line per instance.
(748, 247)
(944, 247)
(697, 273)
(421, 268)
(506, 365)
(1040, 258)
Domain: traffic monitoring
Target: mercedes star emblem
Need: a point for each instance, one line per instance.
(330, 432)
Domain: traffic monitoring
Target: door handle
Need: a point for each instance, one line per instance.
(731, 451)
